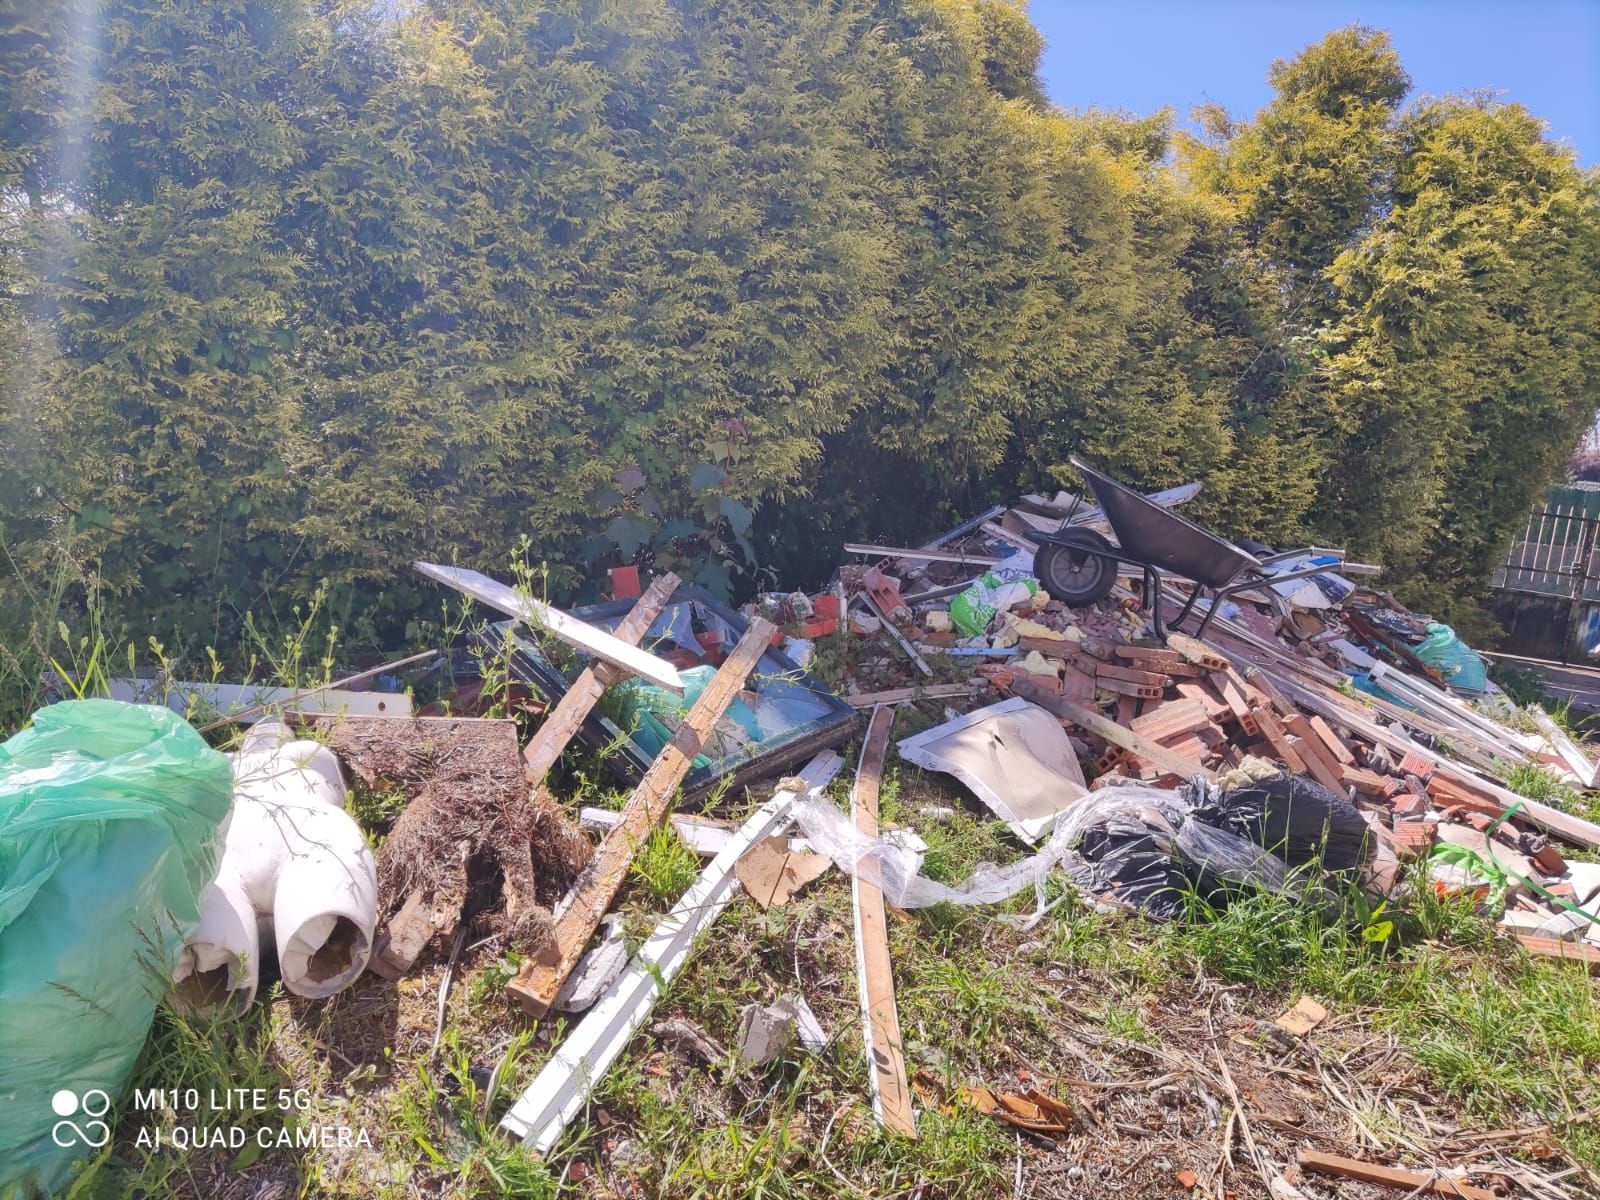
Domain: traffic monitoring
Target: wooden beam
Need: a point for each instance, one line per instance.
(880, 1023)
(1415, 1182)
(568, 628)
(536, 985)
(1117, 735)
(562, 723)
(931, 691)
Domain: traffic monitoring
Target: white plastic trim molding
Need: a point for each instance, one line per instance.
(543, 1112)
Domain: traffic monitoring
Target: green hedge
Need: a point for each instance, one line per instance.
(296, 293)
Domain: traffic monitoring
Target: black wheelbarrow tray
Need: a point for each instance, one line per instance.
(1079, 566)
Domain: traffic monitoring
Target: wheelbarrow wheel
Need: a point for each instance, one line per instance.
(1076, 575)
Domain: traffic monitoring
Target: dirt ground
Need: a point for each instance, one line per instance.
(1167, 1069)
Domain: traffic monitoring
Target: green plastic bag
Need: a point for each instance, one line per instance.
(972, 610)
(109, 833)
(1446, 653)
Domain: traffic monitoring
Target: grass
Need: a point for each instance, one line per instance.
(1502, 1040)
(664, 866)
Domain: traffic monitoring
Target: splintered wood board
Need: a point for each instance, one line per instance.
(536, 985)
(880, 1022)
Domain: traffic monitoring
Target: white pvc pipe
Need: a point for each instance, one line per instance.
(295, 869)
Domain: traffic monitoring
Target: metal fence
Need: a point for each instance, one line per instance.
(1555, 556)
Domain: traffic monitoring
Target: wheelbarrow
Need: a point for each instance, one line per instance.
(1079, 566)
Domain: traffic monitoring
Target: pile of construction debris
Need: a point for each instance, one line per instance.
(1311, 728)
(1316, 727)
(1325, 679)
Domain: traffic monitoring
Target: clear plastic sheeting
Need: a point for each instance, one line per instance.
(1147, 845)
(893, 866)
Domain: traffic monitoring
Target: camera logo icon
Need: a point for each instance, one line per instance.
(91, 1131)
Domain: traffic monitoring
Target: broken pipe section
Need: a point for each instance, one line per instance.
(296, 868)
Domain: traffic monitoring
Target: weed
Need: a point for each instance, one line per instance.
(1534, 782)
(492, 980)
(665, 865)
(1126, 1023)
(449, 1117)
(375, 811)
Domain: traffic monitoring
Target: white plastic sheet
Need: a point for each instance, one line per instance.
(1133, 808)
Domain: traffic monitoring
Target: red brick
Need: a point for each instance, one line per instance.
(624, 583)
(1413, 839)
(1548, 859)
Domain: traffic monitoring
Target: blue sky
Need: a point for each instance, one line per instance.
(1142, 54)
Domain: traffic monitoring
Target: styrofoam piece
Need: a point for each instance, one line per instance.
(703, 837)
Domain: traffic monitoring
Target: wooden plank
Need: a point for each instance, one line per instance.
(562, 723)
(931, 691)
(1117, 735)
(536, 985)
(1415, 1182)
(562, 1088)
(880, 1022)
(568, 628)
